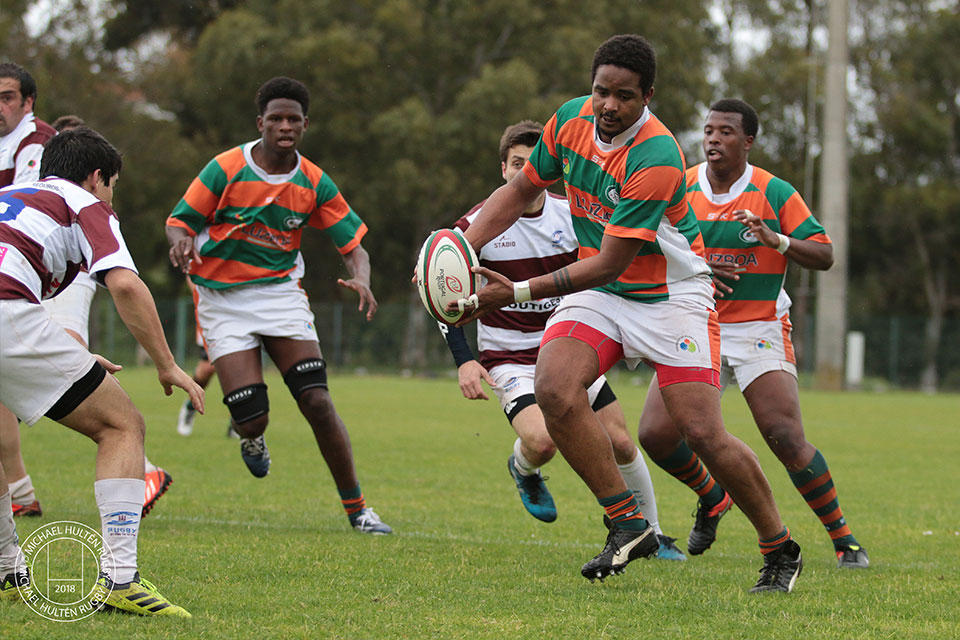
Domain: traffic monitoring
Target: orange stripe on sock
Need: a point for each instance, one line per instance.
(353, 505)
(816, 482)
(686, 465)
(773, 545)
(839, 533)
(826, 498)
(707, 488)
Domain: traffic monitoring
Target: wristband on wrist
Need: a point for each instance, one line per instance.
(521, 291)
(784, 243)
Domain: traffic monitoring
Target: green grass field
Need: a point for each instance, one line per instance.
(275, 558)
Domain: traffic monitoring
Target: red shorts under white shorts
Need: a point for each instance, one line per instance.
(679, 337)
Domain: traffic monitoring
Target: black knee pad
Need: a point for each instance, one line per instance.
(306, 374)
(247, 403)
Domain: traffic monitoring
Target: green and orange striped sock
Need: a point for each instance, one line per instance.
(815, 484)
(353, 502)
(686, 466)
(624, 511)
(774, 543)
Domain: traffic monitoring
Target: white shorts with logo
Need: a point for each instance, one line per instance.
(234, 319)
(750, 349)
(39, 361)
(675, 332)
(516, 380)
(71, 307)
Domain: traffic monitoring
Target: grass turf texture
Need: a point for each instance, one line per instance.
(276, 558)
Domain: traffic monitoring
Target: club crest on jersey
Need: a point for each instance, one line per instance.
(566, 166)
(613, 194)
(747, 236)
(292, 222)
(556, 237)
(687, 344)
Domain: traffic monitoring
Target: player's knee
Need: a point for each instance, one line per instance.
(623, 446)
(553, 399)
(306, 375)
(786, 440)
(541, 446)
(248, 407)
(701, 436)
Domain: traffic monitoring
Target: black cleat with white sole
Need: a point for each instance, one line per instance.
(621, 548)
(780, 569)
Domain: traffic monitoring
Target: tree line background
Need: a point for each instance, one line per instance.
(410, 97)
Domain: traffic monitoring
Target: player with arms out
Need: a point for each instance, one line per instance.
(753, 225)
(541, 241)
(641, 290)
(237, 233)
(49, 230)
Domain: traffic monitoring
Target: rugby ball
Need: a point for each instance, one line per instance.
(443, 273)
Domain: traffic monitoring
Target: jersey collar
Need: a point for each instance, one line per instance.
(623, 137)
(736, 189)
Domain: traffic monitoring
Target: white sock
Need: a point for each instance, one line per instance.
(9, 547)
(120, 501)
(21, 491)
(148, 466)
(521, 464)
(637, 477)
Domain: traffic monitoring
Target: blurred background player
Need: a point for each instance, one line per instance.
(202, 374)
(45, 372)
(727, 194)
(509, 339)
(22, 136)
(237, 233)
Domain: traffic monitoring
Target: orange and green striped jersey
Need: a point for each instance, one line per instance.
(248, 223)
(633, 187)
(755, 294)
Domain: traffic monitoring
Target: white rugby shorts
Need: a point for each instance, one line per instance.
(750, 349)
(39, 361)
(234, 319)
(516, 380)
(71, 307)
(675, 332)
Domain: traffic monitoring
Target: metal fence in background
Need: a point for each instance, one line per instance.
(403, 338)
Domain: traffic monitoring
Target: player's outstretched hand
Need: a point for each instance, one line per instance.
(183, 252)
(727, 271)
(366, 295)
(174, 376)
(106, 364)
(496, 294)
(470, 374)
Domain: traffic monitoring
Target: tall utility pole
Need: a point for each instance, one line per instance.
(832, 284)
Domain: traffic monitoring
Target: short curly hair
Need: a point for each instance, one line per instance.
(282, 87)
(76, 153)
(629, 51)
(751, 122)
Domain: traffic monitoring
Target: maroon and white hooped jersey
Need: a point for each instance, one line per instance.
(21, 150)
(536, 244)
(48, 230)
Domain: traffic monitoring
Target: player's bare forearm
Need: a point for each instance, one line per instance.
(503, 208)
(810, 254)
(139, 312)
(357, 262)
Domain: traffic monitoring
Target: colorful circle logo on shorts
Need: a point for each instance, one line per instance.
(763, 344)
(687, 344)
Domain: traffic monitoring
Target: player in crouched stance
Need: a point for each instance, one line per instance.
(236, 232)
(48, 230)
